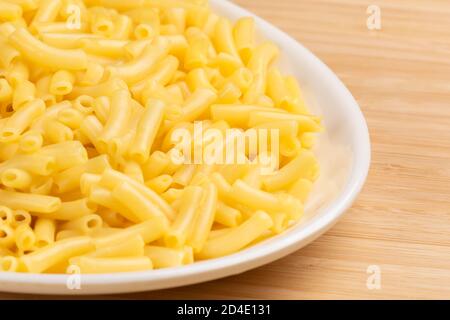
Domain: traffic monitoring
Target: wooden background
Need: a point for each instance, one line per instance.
(400, 75)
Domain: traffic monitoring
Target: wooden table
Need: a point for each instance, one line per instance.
(400, 75)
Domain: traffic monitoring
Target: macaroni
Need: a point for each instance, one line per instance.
(91, 106)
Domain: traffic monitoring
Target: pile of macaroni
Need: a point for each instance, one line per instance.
(90, 93)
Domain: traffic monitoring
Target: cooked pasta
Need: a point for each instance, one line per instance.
(137, 138)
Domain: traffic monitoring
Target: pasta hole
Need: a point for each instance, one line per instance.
(103, 28)
(10, 176)
(19, 218)
(143, 32)
(93, 223)
(41, 243)
(7, 265)
(63, 89)
(9, 108)
(3, 234)
(8, 134)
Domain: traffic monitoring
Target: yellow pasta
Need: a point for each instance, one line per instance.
(183, 224)
(238, 237)
(29, 202)
(31, 141)
(123, 136)
(137, 203)
(24, 238)
(21, 120)
(160, 184)
(39, 53)
(204, 218)
(118, 118)
(6, 215)
(58, 252)
(61, 83)
(109, 265)
(24, 93)
(9, 264)
(227, 216)
(244, 37)
(16, 178)
(163, 257)
(86, 224)
(137, 70)
(44, 231)
(9, 11)
(298, 168)
(146, 131)
(71, 210)
(132, 247)
(20, 217)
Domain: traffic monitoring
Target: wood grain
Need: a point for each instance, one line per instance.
(400, 75)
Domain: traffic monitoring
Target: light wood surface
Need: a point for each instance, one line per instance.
(400, 75)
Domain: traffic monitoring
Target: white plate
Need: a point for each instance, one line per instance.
(344, 154)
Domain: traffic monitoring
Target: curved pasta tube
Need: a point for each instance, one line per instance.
(46, 56)
(66, 154)
(24, 238)
(69, 179)
(24, 93)
(244, 37)
(71, 210)
(137, 203)
(223, 38)
(197, 104)
(111, 178)
(133, 247)
(183, 223)
(140, 68)
(205, 218)
(227, 216)
(105, 47)
(299, 167)
(44, 231)
(55, 253)
(155, 165)
(160, 184)
(21, 120)
(146, 131)
(86, 224)
(237, 238)
(29, 202)
(149, 231)
(118, 118)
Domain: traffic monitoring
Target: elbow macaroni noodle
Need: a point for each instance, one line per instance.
(143, 134)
